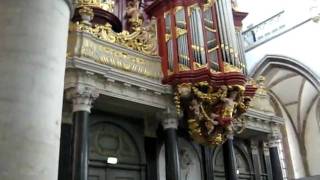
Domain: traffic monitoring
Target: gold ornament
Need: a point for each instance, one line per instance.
(211, 111)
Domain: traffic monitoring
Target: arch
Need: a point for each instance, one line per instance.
(272, 60)
(126, 136)
(239, 149)
(291, 78)
(135, 134)
(284, 62)
(190, 161)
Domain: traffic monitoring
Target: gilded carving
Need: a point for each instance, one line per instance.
(211, 112)
(107, 5)
(143, 39)
(119, 59)
(230, 68)
(133, 15)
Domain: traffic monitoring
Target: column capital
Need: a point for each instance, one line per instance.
(82, 97)
(170, 123)
(169, 119)
(254, 147)
(275, 136)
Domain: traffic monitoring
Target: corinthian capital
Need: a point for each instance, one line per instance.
(82, 97)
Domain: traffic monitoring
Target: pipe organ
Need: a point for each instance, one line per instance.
(198, 34)
(199, 46)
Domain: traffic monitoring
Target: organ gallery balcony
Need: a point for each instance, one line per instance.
(96, 35)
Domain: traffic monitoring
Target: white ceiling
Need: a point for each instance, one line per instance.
(294, 92)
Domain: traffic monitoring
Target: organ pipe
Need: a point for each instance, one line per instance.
(197, 36)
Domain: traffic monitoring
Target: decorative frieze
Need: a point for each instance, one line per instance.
(114, 56)
(117, 84)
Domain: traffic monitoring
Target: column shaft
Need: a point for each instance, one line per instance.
(172, 155)
(65, 160)
(80, 145)
(33, 45)
(275, 164)
(230, 168)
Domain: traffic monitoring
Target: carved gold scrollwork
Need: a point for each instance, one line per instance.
(230, 68)
(143, 39)
(107, 5)
(118, 58)
(211, 112)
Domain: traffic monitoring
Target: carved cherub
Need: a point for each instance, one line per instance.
(133, 15)
(229, 105)
(195, 109)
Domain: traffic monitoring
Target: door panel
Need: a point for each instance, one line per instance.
(122, 174)
(97, 173)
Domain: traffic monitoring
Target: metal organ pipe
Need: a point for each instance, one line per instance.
(194, 36)
(228, 28)
(200, 36)
(222, 25)
(241, 53)
(197, 35)
(233, 32)
(186, 49)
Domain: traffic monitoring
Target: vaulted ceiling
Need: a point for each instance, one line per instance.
(294, 92)
(293, 86)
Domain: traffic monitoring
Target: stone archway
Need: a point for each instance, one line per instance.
(244, 166)
(294, 89)
(117, 138)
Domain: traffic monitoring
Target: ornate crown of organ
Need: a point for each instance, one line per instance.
(202, 57)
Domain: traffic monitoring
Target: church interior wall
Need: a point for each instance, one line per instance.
(303, 48)
(296, 158)
(312, 143)
(299, 111)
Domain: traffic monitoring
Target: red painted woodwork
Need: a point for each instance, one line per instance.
(216, 79)
(238, 17)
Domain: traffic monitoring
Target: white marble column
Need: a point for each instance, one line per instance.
(33, 41)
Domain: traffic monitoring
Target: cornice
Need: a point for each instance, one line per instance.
(113, 74)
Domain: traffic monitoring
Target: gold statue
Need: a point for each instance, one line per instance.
(133, 15)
